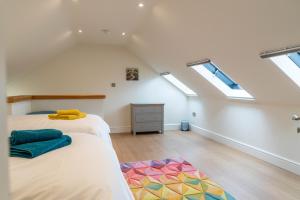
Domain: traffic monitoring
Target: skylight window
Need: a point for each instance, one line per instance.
(220, 80)
(287, 60)
(290, 65)
(178, 84)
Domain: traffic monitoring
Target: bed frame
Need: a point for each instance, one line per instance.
(20, 105)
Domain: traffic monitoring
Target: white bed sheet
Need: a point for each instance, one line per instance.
(92, 124)
(88, 169)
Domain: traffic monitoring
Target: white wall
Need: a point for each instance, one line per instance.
(3, 136)
(19, 108)
(265, 131)
(232, 33)
(91, 69)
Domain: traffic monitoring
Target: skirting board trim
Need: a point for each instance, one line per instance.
(172, 127)
(269, 157)
(127, 129)
(120, 129)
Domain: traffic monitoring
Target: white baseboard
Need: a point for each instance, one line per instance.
(127, 129)
(274, 159)
(172, 127)
(120, 129)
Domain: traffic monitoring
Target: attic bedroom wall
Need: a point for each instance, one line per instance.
(4, 190)
(263, 130)
(3, 135)
(232, 33)
(91, 69)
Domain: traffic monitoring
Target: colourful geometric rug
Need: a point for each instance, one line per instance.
(170, 179)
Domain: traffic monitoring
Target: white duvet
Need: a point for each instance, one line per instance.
(88, 169)
(92, 124)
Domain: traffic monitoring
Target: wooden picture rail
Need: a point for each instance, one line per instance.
(14, 99)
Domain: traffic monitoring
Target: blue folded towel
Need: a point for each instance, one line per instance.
(34, 149)
(29, 136)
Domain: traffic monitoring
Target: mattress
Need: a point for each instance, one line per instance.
(87, 169)
(92, 124)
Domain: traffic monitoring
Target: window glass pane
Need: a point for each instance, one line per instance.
(295, 57)
(218, 73)
(210, 67)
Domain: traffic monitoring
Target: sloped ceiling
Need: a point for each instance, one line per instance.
(37, 30)
(166, 34)
(232, 33)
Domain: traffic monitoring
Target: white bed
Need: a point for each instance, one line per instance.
(92, 124)
(87, 169)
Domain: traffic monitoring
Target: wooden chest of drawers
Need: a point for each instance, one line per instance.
(147, 118)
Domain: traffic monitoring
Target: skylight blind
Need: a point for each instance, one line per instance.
(279, 52)
(199, 62)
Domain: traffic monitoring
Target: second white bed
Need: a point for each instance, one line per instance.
(87, 169)
(92, 124)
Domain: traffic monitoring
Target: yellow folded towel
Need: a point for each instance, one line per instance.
(66, 115)
(68, 112)
(63, 117)
(82, 115)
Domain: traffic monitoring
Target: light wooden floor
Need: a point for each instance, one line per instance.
(244, 176)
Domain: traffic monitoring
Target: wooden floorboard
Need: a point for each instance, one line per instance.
(242, 175)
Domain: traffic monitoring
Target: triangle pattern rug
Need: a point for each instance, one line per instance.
(170, 179)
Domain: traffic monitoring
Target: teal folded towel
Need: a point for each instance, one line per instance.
(34, 149)
(29, 136)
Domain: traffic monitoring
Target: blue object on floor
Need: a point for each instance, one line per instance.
(32, 150)
(29, 136)
(47, 112)
(185, 126)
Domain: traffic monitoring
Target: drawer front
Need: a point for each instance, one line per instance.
(151, 126)
(148, 109)
(148, 117)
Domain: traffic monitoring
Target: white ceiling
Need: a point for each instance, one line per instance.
(118, 16)
(37, 30)
(166, 34)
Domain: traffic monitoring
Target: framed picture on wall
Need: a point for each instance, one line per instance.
(132, 74)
